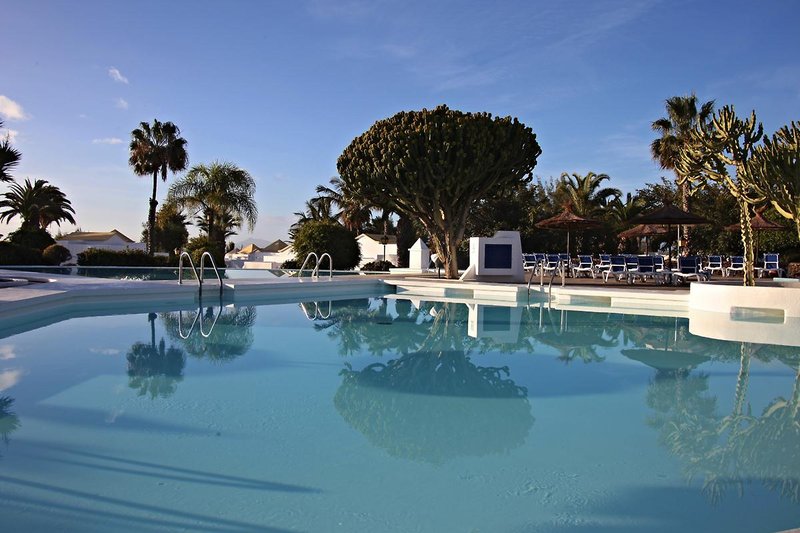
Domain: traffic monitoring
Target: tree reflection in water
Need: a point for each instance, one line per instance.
(728, 452)
(154, 369)
(432, 403)
(9, 422)
(230, 337)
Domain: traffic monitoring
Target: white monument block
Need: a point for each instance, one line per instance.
(497, 258)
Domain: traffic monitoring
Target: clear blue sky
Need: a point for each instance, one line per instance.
(281, 88)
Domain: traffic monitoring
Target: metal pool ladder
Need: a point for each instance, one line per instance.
(317, 263)
(199, 275)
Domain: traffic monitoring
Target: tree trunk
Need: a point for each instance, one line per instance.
(684, 190)
(451, 256)
(745, 351)
(151, 216)
(747, 242)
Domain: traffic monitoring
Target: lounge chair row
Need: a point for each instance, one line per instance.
(585, 264)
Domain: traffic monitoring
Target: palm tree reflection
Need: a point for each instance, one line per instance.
(9, 422)
(154, 369)
(230, 337)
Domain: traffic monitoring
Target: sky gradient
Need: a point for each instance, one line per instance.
(281, 88)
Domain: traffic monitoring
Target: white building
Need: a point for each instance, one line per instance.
(372, 249)
(80, 241)
(251, 256)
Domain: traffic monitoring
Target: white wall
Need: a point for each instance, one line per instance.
(373, 251)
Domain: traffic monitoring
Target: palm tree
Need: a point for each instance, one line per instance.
(317, 209)
(585, 194)
(38, 204)
(355, 212)
(683, 116)
(620, 212)
(156, 149)
(222, 197)
(9, 157)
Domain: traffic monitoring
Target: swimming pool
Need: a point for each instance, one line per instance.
(385, 414)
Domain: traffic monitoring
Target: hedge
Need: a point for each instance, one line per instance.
(137, 258)
(14, 254)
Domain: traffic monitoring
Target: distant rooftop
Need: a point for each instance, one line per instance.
(94, 236)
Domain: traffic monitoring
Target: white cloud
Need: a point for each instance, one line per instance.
(121, 103)
(9, 378)
(117, 76)
(107, 140)
(10, 109)
(7, 352)
(83, 115)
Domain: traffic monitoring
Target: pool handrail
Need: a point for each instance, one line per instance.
(315, 274)
(316, 263)
(191, 264)
(213, 265)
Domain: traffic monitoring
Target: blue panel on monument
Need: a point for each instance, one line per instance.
(497, 256)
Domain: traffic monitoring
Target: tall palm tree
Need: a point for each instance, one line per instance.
(222, 197)
(38, 204)
(683, 116)
(9, 157)
(585, 193)
(156, 149)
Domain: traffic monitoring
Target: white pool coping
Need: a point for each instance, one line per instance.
(728, 312)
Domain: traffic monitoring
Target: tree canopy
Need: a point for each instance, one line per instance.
(222, 197)
(38, 204)
(435, 165)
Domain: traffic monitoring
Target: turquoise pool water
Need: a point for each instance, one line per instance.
(390, 415)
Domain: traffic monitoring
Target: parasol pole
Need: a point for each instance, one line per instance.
(567, 240)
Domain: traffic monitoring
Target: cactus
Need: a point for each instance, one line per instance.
(774, 172)
(727, 142)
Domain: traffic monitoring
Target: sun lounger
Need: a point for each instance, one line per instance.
(616, 268)
(585, 266)
(688, 267)
(771, 264)
(714, 263)
(737, 265)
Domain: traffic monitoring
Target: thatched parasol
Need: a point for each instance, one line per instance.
(758, 224)
(670, 216)
(643, 230)
(567, 220)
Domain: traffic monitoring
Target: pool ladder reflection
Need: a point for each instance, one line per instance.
(317, 314)
(198, 318)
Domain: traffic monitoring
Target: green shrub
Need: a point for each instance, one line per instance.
(138, 258)
(378, 266)
(322, 237)
(290, 264)
(202, 243)
(31, 238)
(55, 254)
(14, 254)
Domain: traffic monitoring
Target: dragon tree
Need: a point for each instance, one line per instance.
(436, 165)
(727, 142)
